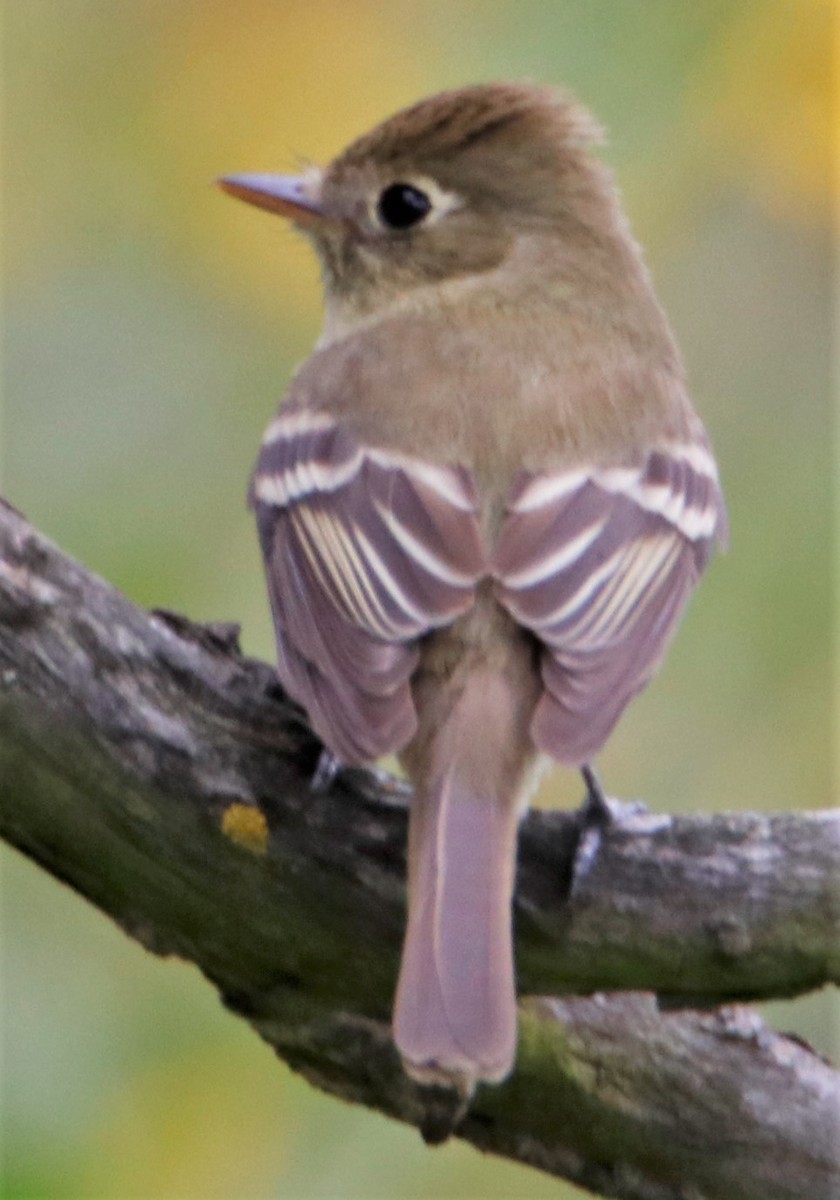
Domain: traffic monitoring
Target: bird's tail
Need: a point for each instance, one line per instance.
(455, 1010)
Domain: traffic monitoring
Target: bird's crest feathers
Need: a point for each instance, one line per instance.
(455, 122)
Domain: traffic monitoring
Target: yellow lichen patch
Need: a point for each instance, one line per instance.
(246, 826)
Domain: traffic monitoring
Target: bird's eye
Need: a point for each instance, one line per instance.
(402, 205)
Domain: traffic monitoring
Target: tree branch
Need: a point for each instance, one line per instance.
(148, 764)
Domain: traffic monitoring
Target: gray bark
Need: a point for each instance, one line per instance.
(165, 777)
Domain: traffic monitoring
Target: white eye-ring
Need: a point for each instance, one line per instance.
(407, 203)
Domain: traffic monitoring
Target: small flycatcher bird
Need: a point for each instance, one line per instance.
(483, 505)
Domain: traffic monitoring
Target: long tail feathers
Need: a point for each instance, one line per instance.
(455, 1011)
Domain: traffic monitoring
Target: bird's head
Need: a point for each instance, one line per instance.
(442, 190)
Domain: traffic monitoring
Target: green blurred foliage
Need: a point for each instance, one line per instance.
(149, 329)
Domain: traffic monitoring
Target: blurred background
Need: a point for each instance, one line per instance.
(150, 326)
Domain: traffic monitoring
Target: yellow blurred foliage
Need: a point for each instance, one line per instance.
(762, 99)
(329, 70)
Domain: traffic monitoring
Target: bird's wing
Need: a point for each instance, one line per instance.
(365, 551)
(598, 563)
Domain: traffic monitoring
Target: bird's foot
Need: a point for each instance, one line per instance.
(598, 812)
(601, 810)
(325, 772)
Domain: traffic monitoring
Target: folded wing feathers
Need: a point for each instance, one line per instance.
(587, 546)
(584, 543)
(591, 559)
(598, 564)
(365, 552)
(388, 500)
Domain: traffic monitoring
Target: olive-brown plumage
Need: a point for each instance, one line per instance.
(483, 505)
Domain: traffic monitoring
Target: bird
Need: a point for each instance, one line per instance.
(482, 506)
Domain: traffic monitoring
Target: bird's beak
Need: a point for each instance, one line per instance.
(291, 196)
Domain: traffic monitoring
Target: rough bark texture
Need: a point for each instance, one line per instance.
(165, 777)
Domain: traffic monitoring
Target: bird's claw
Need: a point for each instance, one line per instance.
(598, 812)
(325, 772)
